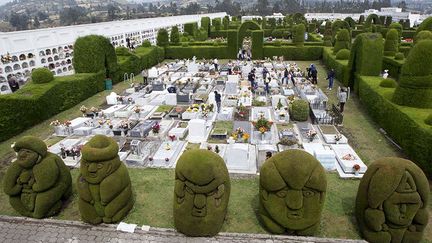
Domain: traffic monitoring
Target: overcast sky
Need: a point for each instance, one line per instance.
(4, 1)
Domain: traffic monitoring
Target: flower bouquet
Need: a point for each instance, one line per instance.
(356, 168)
(338, 137)
(172, 137)
(137, 109)
(156, 128)
(311, 134)
(55, 123)
(83, 109)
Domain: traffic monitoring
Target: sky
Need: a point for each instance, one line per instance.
(4, 1)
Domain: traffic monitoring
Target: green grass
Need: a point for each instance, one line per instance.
(164, 108)
(283, 126)
(219, 127)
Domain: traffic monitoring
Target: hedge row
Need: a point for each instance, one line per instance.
(394, 66)
(305, 53)
(35, 103)
(178, 52)
(284, 43)
(340, 66)
(404, 124)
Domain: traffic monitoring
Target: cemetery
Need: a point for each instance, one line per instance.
(233, 143)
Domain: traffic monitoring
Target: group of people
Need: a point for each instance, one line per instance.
(244, 55)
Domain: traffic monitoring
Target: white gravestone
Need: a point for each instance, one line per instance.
(171, 99)
(231, 87)
(199, 132)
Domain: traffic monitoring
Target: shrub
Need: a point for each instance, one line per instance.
(399, 56)
(180, 52)
(185, 44)
(391, 44)
(205, 24)
(389, 184)
(425, 25)
(201, 181)
(244, 27)
(283, 183)
(340, 66)
(201, 35)
(423, 35)
(388, 83)
(42, 75)
(337, 25)
(52, 182)
(415, 83)
(343, 41)
(343, 54)
(225, 22)
(397, 27)
(299, 34)
(232, 43)
(299, 110)
(190, 28)
(175, 35)
(146, 43)
(257, 44)
(350, 22)
(101, 168)
(162, 38)
(308, 53)
(428, 120)
(216, 23)
(94, 53)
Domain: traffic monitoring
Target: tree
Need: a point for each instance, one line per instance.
(36, 22)
(112, 10)
(175, 36)
(225, 22)
(71, 15)
(19, 21)
(262, 7)
(162, 38)
(402, 5)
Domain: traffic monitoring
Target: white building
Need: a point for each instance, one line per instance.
(22, 51)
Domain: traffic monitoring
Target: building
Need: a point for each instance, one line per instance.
(22, 51)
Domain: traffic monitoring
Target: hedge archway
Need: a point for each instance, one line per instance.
(372, 19)
(350, 21)
(247, 25)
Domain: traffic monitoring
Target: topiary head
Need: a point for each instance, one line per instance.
(30, 151)
(42, 75)
(292, 189)
(393, 192)
(99, 159)
(423, 35)
(201, 193)
(343, 54)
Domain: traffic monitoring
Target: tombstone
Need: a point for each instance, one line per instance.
(211, 99)
(4, 88)
(192, 67)
(246, 69)
(142, 129)
(111, 99)
(136, 153)
(178, 132)
(153, 73)
(233, 78)
(231, 87)
(237, 157)
(199, 132)
(83, 131)
(171, 99)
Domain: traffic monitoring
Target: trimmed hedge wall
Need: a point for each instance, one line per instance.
(190, 28)
(232, 43)
(305, 53)
(41, 76)
(178, 52)
(257, 44)
(35, 103)
(394, 66)
(404, 124)
(340, 66)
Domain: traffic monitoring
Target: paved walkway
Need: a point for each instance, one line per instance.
(17, 229)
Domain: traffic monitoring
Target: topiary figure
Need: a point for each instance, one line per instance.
(397, 27)
(392, 199)
(299, 34)
(201, 193)
(299, 110)
(343, 41)
(293, 186)
(415, 81)
(146, 43)
(388, 83)
(37, 182)
(428, 120)
(399, 56)
(162, 38)
(423, 35)
(343, 54)
(104, 186)
(391, 44)
(42, 75)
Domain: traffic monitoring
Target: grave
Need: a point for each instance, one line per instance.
(199, 132)
(262, 152)
(136, 158)
(165, 126)
(226, 114)
(109, 112)
(347, 158)
(171, 99)
(331, 135)
(178, 132)
(83, 131)
(68, 144)
(240, 158)
(167, 154)
(111, 99)
(231, 87)
(142, 129)
(125, 112)
(306, 131)
(323, 154)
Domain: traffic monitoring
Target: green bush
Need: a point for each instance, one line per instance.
(144, 57)
(340, 66)
(338, 25)
(350, 22)
(244, 27)
(146, 43)
(343, 54)
(428, 120)
(425, 25)
(423, 35)
(388, 83)
(175, 35)
(225, 22)
(42, 75)
(104, 186)
(404, 125)
(37, 182)
(294, 53)
(122, 51)
(257, 44)
(190, 28)
(361, 19)
(372, 19)
(287, 190)
(232, 43)
(399, 56)
(216, 23)
(391, 44)
(201, 35)
(388, 21)
(299, 34)
(343, 41)
(180, 52)
(393, 66)
(299, 110)
(415, 82)
(397, 27)
(35, 103)
(162, 38)
(94, 53)
(201, 193)
(388, 185)
(205, 24)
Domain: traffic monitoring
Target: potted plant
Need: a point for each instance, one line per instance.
(356, 168)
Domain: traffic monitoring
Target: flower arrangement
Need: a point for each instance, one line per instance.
(110, 125)
(238, 133)
(279, 105)
(245, 136)
(120, 99)
(262, 130)
(67, 123)
(101, 122)
(167, 146)
(311, 134)
(94, 109)
(348, 157)
(137, 109)
(83, 109)
(55, 123)
(172, 137)
(356, 167)
(262, 124)
(124, 125)
(156, 128)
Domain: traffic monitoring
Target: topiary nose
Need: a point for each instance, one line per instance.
(92, 167)
(200, 201)
(294, 199)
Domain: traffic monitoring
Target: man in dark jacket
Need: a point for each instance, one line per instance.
(330, 78)
(218, 101)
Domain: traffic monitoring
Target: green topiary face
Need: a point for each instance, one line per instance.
(99, 159)
(392, 199)
(343, 54)
(27, 158)
(292, 191)
(201, 193)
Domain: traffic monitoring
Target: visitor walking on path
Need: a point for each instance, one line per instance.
(314, 74)
(218, 101)
(342, 97)
(330, 78)
(267, 82)
(216, 64)
(144, 73)
(285, 76)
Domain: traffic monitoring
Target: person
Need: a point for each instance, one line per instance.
(264, 73)
(13, 84)
(314, 74)
(144, 73)
(268, 155)
(342, 97)
(218, 101)
(385, 74)
(285, 77)
(330, 78)
(216, 64)
(251, 78)
(267, 82)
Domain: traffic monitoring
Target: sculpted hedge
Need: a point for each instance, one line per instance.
(201, 193)
(104, 186)
(38, 181)
(392, 199)
(292, 192)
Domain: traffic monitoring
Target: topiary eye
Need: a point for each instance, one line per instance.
(189, 190)
(282, 193)
(308, 193)
(99, 165)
